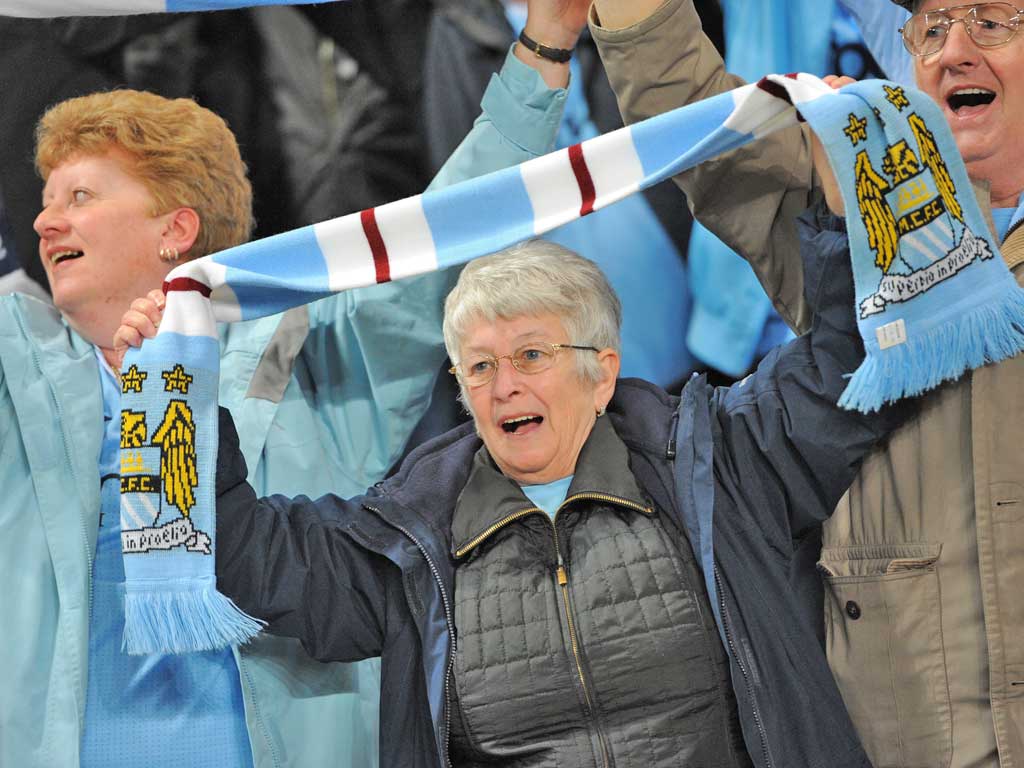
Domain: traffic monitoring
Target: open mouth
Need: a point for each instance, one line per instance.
(60, 256)
(970, 97)
(511, 426)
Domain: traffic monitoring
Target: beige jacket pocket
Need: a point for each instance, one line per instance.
(883, 628)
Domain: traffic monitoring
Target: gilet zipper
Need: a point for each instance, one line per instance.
(562, 581)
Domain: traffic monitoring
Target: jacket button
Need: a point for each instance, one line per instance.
(852, 610)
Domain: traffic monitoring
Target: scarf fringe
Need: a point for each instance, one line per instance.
(183, 621)
(988, 333)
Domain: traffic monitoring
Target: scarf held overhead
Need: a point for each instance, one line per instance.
(933, 297)
(48, 9)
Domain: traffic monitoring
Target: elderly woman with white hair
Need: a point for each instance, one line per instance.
(593, 572)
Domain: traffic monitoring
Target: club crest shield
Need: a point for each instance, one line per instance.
(159, 473)
(907, 202)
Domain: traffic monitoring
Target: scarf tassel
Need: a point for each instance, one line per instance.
(183, 620)
(986, 333)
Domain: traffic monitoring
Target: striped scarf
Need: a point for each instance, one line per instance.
(933, 297)
(48, 9)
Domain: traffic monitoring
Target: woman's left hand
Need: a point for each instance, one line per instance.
(140, 321)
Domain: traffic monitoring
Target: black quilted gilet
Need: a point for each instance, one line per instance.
(611, 660)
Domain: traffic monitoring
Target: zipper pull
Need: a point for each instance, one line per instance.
(560, 572)
(670, 449)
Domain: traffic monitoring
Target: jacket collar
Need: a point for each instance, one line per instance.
(1012, 248)
(490, 499)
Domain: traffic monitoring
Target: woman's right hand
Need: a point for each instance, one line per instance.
(556, 24)
(140, 321)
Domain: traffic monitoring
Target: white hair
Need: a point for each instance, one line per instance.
(534, 278)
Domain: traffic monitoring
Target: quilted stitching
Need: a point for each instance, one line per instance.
(650, 663)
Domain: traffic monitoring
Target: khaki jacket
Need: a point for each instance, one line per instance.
(924, 559)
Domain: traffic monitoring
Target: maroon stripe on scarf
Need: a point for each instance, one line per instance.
(583, 179)
(776, 90)
(186, 284)
(377, 246)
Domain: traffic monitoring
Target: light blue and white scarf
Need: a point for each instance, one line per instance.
(49, 9)
(934, 297)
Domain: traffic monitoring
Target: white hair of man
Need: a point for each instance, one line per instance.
(534, 278)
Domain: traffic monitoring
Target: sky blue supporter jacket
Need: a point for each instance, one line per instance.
(324, 397)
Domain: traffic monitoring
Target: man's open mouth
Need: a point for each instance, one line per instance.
(511, 425)
(970, 97)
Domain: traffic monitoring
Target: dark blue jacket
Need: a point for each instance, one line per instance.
(748, 472)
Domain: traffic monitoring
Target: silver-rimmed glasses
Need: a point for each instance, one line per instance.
(988, 24)
(537, 356)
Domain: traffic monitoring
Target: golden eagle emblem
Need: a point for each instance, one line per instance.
(930, 156)
(176, 437)
(875, 212)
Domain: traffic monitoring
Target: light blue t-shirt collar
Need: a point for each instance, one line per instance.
(548, 496)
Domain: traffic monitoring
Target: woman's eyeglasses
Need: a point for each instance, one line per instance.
(535, 357)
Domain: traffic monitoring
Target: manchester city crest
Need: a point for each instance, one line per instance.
(159, 472)
(908, 204)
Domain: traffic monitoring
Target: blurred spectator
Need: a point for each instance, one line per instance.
(347, 141)
(12, 277)
(851, 55)
(879, 21)
(388, 39)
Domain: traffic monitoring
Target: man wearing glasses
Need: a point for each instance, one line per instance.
(970, 60)
(923, 562)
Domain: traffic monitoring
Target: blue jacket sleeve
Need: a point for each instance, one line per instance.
(375, 351)
(783, 447)
(290, 563)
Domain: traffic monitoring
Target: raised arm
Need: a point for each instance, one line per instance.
(290, 563)
(781, 441)
(658, 58)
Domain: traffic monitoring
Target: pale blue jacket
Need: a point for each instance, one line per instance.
(324, 397)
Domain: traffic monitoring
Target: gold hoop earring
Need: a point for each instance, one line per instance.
(169, 255)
